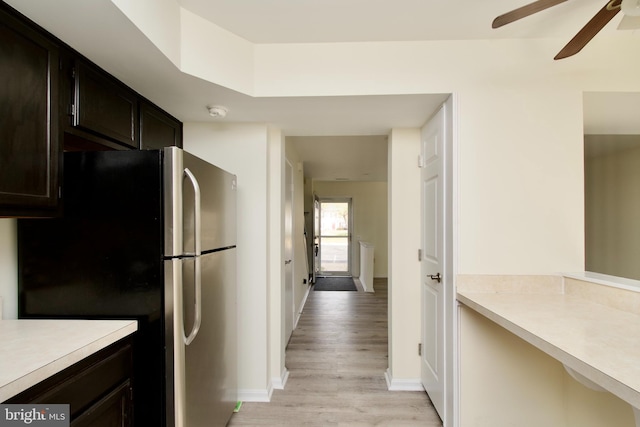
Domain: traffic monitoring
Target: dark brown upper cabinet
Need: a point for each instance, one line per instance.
(28, 119)
(157, 128)
(103, 106)
(53, 99)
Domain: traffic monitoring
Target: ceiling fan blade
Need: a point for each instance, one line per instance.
(589, 31)
(523, 12)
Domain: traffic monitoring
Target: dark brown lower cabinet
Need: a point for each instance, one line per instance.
(98, 389)
(113, 410)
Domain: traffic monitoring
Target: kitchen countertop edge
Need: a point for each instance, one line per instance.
(91, 341)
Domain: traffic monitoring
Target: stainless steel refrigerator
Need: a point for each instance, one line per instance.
(147, 235)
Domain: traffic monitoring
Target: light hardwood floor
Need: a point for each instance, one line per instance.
(337, 357)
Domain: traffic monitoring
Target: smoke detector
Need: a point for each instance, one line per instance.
(218, 111)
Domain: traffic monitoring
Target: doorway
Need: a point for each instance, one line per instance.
(334, 238)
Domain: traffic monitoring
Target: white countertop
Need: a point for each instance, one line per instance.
(598, 341)
(33, 350)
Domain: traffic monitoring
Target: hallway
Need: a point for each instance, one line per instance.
(337, 357)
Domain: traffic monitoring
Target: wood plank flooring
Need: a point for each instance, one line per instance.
(337, 357)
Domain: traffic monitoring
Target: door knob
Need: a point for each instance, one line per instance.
(287, 262)
(436, 277)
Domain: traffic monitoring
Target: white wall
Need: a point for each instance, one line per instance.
(300, 266)
(275, 260)
(9, 268)
(519, 130)
(613, 212)
(186, 39)
(309, 219)
(231, 65)
(404, 267)
(162, 25)
(243, 150)
(370, 218)
(442, 67)
(505, 381)
(521, 181)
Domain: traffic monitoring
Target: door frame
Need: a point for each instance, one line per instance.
(349, 271)
(316, 238)
(289, 255)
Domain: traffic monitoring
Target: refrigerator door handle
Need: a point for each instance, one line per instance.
(197, 228)
(197, 321)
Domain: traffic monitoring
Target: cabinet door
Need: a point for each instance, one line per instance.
(114, 410)
(97, 389)
(157, 128)
(28, 118)
(104, 106)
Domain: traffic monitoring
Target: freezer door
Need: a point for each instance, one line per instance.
(184, 173)
(206, 369)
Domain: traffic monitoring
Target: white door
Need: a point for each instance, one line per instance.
(288, 253)
(432, 261)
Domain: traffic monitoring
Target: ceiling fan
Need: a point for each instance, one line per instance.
(631, 20)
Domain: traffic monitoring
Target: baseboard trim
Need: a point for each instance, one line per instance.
(278, 383)
(255, 395)
(410, 384)
(359, 285)
(302, 304)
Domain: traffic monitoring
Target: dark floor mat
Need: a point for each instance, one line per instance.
(334, 284)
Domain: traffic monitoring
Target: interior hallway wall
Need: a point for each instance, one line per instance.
(300, 265)
(404, 267)
(9, 267)
(369, 211)
(227, 147)
(276, 330)
(309, 220)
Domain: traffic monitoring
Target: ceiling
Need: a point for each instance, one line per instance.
(97, 30)
(312, 21)
(343, 158)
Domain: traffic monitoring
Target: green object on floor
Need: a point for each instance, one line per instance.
(238, 406)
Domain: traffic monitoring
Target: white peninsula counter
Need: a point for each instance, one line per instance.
(590, 330)
(33, 350)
